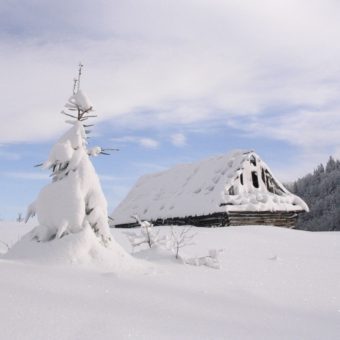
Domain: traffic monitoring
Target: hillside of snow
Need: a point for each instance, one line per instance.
(274, 283)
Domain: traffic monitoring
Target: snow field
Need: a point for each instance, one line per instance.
(274, 283)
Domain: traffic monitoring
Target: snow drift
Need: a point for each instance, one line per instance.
(80, 248)
(274, 284)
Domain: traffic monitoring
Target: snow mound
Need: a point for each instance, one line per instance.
(11, 232)
(82, 248)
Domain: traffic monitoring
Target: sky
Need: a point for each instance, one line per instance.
(171, 82)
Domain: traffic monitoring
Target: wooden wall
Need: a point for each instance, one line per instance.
(277, 218)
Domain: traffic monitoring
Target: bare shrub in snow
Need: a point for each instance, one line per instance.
(183, 237)
(147, 234)
(74, 200)
(180, 238)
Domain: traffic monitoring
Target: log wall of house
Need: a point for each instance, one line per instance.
(278, 218)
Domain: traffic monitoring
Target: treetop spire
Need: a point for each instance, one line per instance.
(76, 81)
(79, 75)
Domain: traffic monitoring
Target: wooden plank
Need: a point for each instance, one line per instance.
(281, 218)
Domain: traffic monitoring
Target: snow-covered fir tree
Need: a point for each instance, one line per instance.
(74, 200)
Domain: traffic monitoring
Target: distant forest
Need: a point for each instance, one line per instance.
(321, 191)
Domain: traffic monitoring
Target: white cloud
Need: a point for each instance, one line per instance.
(301, 127)
(145, 142)
(125, 139)
(183, 63)
(148, 143)
(178, 139)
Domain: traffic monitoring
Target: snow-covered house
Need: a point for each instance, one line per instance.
(233, 189)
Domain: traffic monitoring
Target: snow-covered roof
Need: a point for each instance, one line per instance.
(238, 181)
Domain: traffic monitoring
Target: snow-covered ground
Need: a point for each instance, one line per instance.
(274, 283)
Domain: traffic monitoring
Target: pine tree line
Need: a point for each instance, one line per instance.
(321, 191)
